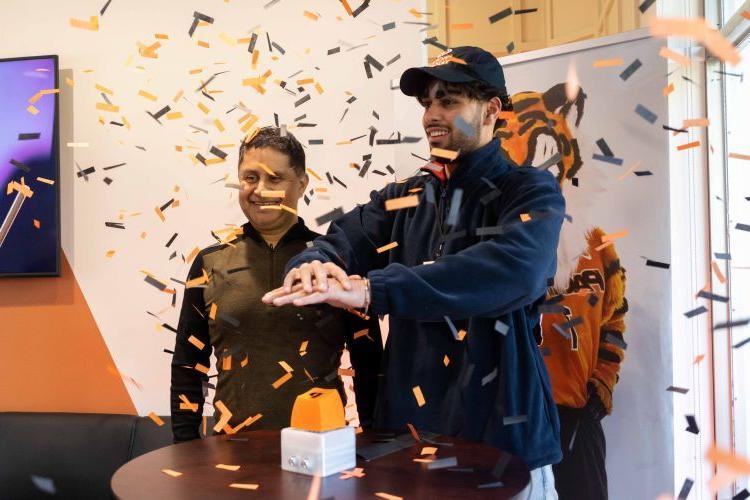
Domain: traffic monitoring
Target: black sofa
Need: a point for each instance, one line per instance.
(78, 452)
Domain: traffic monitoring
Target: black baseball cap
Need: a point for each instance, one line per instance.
(449, 66)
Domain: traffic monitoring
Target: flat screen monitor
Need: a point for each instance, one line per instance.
(29, 167)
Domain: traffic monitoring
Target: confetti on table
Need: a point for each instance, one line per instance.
(232, 468)
(244, 486)
(428, 450)
(170, 472)
(387, 496)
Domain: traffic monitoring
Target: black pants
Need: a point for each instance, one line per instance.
(581, 474)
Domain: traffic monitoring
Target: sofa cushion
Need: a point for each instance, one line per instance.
(78, 452)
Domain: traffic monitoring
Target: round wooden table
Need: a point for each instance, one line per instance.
(258, 454)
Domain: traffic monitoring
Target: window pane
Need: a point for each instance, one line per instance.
(729, 7)
(738, 211)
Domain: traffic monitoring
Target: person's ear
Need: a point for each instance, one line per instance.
(494, 106)
(304, 180)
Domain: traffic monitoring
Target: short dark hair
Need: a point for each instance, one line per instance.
(270, 137)
(478, 91)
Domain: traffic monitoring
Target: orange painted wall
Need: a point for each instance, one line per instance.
(52, 355)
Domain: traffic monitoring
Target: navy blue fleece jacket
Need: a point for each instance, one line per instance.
(475, 255)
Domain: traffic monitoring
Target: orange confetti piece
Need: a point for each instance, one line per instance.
(418, 395)
(201, 368)
(346, 372)
(444, 153)
(232, 468)
(387, 247)
(46, 181)
(717, 271)
(361, 333)
(671, 55)
(728, 459)
(698, 358)
(160, 214)
(525, 217)
(428, 450)
(314, 174)
(414, 12)
(282, 380)
(92, 24)
(689, 145)
(402, 202)
(286, 366)
(225, 416)
(226, 363)
(614, 236)
(192, 255)
(461, 334)
(157, 420)
(244, 362)
(244, 486)
(310, 15)
(170, 472)
(111, 108)
(608, 63)
(187, 405)
(37, 224)
(347, 7)
(109, 253)
(196, 342)
(174, 115)
(462, 26)
(696, 122)
(699, 30)
(668, 89)
(446, 360)
(738, 156)
(32, 109)
(414, 433)
(212, 311)
(249, 421)
(387, 496)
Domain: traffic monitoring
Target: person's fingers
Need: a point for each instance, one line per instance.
(272, 294)
(321, 275)
(340, 275)
(288, 298)
(290, 278)
(312, 298)
(305, 276)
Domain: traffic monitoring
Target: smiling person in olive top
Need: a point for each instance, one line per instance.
(239, 273)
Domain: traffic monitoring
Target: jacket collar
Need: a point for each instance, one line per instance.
(298, 231)
(472, 166)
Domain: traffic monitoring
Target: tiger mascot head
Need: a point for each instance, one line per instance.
(537, 133)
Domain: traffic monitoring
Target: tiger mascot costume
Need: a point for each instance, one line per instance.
(583, 318)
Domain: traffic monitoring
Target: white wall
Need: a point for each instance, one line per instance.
(114, 287)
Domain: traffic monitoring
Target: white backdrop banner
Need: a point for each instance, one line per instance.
(625, 193)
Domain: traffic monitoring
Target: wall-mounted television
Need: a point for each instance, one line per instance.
(29, 167)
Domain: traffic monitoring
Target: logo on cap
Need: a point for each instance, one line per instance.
(442, 58)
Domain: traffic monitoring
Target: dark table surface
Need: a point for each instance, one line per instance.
(259, 455)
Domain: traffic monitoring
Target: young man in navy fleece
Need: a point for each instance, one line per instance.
(474, 255)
